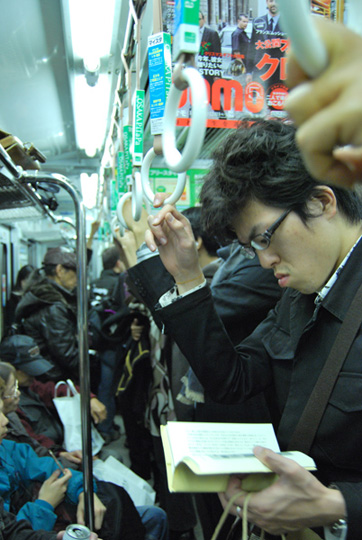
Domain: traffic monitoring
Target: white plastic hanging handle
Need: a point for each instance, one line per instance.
(176, 161)
(116, 224)
(297, 22)
(137, 196)
(119, 210)
(148, 193)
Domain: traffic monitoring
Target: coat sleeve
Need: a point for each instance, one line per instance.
(13, 528)
(60, 338)
(40, 514)
(31, 467)
(228, 374)
(244, 298)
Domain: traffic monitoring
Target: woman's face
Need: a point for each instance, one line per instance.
(11, 395)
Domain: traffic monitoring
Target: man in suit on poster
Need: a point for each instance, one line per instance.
(209, 60)
(265, 55)
(239, 38)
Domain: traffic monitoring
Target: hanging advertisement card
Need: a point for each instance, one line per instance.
(159, 72)
(242, 57)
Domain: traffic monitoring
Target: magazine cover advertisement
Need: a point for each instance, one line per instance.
(242, 57)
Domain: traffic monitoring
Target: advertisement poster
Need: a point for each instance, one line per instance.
(164, 181)
(242, 59)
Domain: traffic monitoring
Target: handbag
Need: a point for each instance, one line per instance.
(68, 408)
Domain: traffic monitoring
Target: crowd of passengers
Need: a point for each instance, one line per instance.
(240, 333)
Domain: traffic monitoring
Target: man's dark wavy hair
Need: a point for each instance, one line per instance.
(260, 161)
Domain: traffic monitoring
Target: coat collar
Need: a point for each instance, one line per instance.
(342, 293)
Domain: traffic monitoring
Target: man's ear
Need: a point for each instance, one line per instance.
(323, 202)
(58, 269)
(199, 243)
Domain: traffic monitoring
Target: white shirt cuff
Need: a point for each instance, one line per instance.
(172, 295)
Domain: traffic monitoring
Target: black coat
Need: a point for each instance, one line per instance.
(286, 353)
(11, 529)
(210, 40)
(243, 293)
(48, 314)
(106, 282)
(210, 46)
(240, 42)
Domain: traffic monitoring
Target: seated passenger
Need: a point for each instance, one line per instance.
(47, 313)
(12, 529)
(117, 518)
(34, 405)
(29, 468)
(20, 426)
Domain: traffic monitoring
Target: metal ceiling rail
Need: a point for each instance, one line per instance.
(22, 180)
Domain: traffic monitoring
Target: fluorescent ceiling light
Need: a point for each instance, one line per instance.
(89, 187)
(91, 23)
(90, 111)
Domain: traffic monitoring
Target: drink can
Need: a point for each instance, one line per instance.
(77, 532)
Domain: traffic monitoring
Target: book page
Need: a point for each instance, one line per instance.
(209, 441)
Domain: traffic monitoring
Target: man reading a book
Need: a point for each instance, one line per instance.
(259, 194)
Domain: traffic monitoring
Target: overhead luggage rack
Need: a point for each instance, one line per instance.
(18, 200)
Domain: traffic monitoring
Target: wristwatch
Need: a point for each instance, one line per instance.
(336, 531)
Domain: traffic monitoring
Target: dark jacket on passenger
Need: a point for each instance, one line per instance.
(243, 293)
(10, 308)
(39, 416)
(48, 314)
(286, 353)
(12, 529)
(106, 282)
(18, 433)
(43, 421)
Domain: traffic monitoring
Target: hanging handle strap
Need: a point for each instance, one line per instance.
(310, 419)
(307, 45)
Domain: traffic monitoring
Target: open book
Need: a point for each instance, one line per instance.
(200, 456)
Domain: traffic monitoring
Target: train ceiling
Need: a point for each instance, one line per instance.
(43, 75)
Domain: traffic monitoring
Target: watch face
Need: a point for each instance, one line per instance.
(337, 531)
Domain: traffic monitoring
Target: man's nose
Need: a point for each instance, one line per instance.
(268, 258)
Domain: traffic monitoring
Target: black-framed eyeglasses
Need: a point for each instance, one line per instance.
(262, 241)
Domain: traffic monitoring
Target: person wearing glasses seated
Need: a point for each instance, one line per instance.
(60, 499)
(259, 192)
